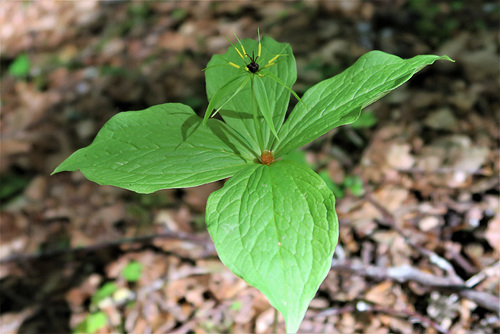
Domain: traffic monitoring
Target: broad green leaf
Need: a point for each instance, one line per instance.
(339, 100)
(238, 112)
(165, 146)
(275, 226)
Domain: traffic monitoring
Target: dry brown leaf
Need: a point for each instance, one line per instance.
(13, 238)
(402, 326)
(428, 223)
(175, 220)
(347, 323)
(264, 321)
(245, 314)
(197, 196)
(442, 119)
(492, 233)
(225, 285)
(381, 294)
(391, 198)
(11, 322)
(78, 295)
(399, 156)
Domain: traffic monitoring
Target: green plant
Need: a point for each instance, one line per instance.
(92, 323)
(20, 67)
(354, 184)
(132, 272)
(102, 293)
(274, 222)
(96, 319)
(108, 293)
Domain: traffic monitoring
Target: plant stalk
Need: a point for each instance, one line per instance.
(275, 322)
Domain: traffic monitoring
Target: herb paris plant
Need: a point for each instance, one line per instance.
(256, 71)
(273, 223)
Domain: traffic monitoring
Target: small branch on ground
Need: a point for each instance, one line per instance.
(407, 273)
(390, 221)
(362, 306)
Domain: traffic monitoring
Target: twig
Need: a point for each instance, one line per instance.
(444, 170)
(390, 220)
(95, 247)
(407, 314)
(362, 306)
(452, 281)
(400, 274)
(407, 273)
(483, 274)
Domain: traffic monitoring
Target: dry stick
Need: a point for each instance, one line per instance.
(205, 242)
(408, 314)
(407, 273)
(362, 306)
(433, 257)
(442, 170)
(401, 274)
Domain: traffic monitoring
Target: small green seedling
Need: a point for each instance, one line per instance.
(274, 222)
(92, 323)
(96, 319)
(132, 272)
(105, 291)
(20, 67)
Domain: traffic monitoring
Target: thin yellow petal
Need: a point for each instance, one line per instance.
(272, 60)
(239, 52)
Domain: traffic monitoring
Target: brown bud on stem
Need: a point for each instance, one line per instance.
(266, 158)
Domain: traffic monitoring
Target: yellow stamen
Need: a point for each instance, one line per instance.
(260, 47)
(239, 53)
(272, 60)
(269, 65)
(244, 52)
(234, 65)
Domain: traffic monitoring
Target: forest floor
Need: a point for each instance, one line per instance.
(417, 181)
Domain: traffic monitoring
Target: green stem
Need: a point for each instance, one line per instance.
(275, 321)
(256, 118)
